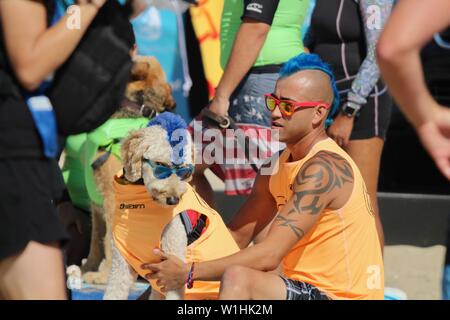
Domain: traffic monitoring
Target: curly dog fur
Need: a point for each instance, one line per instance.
(151, 144)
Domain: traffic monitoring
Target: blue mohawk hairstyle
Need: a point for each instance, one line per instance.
(305, 61)
(171, 122)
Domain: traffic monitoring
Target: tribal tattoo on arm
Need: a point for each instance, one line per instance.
(319, 176)
(314, 189)
(291, 223)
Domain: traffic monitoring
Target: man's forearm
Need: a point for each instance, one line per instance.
(247, 45)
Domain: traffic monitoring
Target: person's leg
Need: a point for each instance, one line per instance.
(367, 155)
(37, 273)
(242, 283)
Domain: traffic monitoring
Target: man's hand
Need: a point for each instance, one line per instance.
(171, 273)
(220, 106)
(435, 137)
(341, 129)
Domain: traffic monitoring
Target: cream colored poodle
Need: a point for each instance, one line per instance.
(156, 207)
(148, 93)
(142, 146)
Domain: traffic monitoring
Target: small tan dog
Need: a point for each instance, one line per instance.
(147, 94)
(156, 207)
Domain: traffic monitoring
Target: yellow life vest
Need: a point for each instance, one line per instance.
(138, 224)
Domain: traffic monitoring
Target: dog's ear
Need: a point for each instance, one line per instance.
(132, 150)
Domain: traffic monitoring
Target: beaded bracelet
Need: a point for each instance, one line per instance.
(190, 279)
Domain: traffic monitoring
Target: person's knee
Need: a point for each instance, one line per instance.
(235, 278)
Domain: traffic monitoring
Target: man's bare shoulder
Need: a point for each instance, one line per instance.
(325, 180)
(337, 168)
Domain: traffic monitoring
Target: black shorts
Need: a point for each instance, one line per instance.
(374, 117)
(29, 191)
(298, 290)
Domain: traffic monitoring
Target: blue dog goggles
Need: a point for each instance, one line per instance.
(161, 171)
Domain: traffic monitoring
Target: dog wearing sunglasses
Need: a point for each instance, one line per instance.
(156, 207)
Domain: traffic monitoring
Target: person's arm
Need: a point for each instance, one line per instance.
(34, 50)
(257, 212)
(322, 182)
(247, 45)
(411, 26)
(375, 14)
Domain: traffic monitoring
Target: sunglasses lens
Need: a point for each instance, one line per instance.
(271, 103)
(185, 173)
(161, 172)
(287, 109)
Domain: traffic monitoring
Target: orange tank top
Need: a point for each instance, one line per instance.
(138, 224)
(341, 254)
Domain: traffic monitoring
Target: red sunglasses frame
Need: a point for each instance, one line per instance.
(295, 104)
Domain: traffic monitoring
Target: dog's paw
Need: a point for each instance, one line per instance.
(96, 277)
(74, 277)
(73, 270)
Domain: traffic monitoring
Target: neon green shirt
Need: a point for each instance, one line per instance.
(284, 40)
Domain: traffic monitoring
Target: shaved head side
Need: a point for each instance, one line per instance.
(314, 85)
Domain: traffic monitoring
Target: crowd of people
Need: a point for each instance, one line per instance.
(310, 230)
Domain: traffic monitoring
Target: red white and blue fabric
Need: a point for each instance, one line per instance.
(235, 171)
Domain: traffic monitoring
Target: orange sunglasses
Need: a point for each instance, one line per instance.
(288, 107)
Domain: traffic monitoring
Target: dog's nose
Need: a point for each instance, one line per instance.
(172, 200)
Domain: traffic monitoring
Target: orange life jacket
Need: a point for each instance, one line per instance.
(139, 222)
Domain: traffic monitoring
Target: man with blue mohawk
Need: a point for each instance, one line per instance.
(323, 234)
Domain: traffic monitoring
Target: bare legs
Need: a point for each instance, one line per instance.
(241, 283)
(37, 273)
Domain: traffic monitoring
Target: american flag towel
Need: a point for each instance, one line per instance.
(225, 151)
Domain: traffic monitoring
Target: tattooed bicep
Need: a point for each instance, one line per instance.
(317, 181)
(320, 180)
